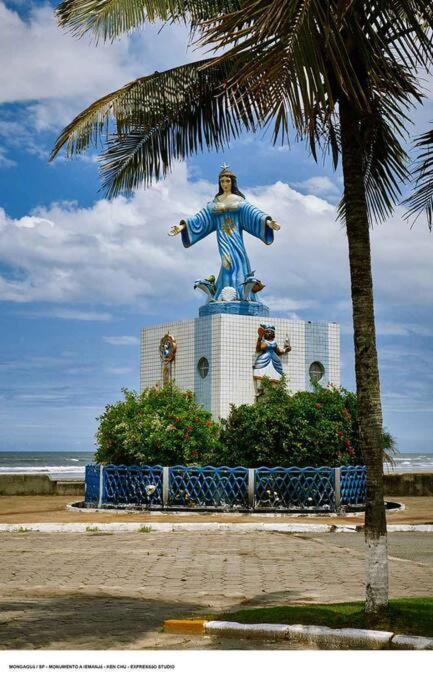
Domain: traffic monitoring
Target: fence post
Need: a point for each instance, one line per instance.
(165, 485)
(101, 485)
(337, 488)
(251, 487)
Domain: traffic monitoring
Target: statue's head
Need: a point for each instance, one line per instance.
(269, 332)
(227, 182)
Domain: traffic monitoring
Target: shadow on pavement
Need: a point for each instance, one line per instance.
(92, 622)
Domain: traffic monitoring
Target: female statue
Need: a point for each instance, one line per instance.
(268, 361)
(229, 214)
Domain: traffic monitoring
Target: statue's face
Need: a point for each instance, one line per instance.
(226, 183)
(269, 335)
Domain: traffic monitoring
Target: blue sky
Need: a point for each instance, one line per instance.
(80, 275)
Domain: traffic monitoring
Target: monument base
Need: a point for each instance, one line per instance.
(255, 308)
(215, 355)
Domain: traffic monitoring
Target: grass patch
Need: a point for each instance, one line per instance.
(409, 616)
(96, 531)
(144, 529)
(23, 530)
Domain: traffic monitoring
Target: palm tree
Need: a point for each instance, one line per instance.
(340, 73)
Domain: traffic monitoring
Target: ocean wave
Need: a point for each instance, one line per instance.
(42, 469)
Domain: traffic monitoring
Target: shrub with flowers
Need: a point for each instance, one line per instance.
(160, 426)
(317, 428)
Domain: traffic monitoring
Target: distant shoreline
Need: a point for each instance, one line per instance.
(77, 473)
(70, 464)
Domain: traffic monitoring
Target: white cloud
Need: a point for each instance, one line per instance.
(31, 221)
(5, 162)
(40, 61)
(31, 363)
(123, 340)
(71, 314)
(403, 329)
(68, 314)
(287, 305)
(53, 75)
(120, 371)
(321, 185)
(118, 252)
(58, 74)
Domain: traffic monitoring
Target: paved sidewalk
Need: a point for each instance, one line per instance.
(91, 591)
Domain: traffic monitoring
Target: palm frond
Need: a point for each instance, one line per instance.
(156, 94)
(161, 118)
(421, 200)
(295, 43)
(147, 152)
(87, 128)
(338, 45)
(384, 158)
(108, 19)
(385, 164)
(285, 64)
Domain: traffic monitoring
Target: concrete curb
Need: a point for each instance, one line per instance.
(321, 636)
(122, 527)
(117, 527)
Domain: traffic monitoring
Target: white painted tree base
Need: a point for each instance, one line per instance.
(376, 574)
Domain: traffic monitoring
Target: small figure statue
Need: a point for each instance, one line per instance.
(229, 214)
(268, 363)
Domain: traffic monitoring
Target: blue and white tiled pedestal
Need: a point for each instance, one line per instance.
(216, 353)
(252, 308)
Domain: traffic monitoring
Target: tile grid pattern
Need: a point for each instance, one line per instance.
(228, 342)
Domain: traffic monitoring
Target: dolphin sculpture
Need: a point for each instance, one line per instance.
(206, 285)
(252, 285)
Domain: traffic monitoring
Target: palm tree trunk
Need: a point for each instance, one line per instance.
(367, 372)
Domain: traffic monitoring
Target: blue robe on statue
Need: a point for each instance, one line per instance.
(229, 220)
(269, 356)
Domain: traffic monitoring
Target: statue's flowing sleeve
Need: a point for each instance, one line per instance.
(197, 227)
(254, 221)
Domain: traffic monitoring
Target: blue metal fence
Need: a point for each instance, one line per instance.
(92, 483)
(295, 487)
(132, 485)
(214, 487)
(352, 485)
(236, 488)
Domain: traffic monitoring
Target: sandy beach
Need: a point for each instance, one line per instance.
(33, 509)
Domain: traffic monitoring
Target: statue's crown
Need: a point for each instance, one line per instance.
(225, 170)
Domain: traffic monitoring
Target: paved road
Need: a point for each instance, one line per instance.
(407, 546)
(73, 591)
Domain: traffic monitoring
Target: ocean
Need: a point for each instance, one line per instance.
(58, 464)
(70, 464)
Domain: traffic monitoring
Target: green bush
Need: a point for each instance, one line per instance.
(166, 426)
(161, 426)
(317, 428)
